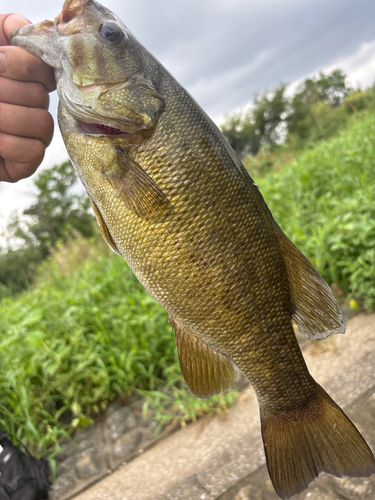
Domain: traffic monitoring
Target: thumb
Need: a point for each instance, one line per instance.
(9, 23)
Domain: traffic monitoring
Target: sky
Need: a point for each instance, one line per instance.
(225, 52)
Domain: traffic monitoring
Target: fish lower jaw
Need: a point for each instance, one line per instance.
(100, 129)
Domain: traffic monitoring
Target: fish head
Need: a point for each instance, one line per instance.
(99, 68)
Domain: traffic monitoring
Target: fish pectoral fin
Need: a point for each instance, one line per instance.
(205, 370)
(315, 309)
(139, 192)
(104, 229)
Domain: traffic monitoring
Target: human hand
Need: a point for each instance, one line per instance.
(26, 126)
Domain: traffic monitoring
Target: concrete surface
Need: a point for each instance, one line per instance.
(222, 458)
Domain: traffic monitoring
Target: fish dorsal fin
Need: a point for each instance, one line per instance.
(136, 188)
(104, 229)
(205, 370)
(315, 309)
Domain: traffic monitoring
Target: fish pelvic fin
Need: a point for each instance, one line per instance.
(314, 307)
(206, 371)
(299, 444)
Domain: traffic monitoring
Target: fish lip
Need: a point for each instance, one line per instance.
(13, 34)
(106, 85)
(71, 9)
(90, 130)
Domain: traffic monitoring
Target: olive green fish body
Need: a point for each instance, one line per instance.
(173, 199)
(197, 261)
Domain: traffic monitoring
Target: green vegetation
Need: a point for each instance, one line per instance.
(55, 215)
(324, 202)
(77, 330)
(248, 131)
(86, 334)
(277, 128)
(320, 190)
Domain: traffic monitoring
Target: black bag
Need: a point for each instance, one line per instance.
(22, 476)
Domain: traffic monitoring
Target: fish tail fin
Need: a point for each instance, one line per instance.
(317, 438)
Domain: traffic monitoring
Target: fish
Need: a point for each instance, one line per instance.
(174, 200)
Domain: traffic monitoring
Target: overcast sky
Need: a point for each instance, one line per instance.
(225, 51)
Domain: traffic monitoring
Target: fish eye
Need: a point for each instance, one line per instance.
(111, 32)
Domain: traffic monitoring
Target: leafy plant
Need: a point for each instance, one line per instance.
(277, 124)
(57, 213)
(324, 202)
(87, 334)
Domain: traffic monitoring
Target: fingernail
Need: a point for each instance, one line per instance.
(3, 62)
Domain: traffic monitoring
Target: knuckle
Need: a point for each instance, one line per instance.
(32, 167)
(19, 171)
(5, 112)
(49, 121)
(14, 172)
(28, 69)
(4, 141)
(37, 152)
(28, 65)
(39, 95)
(22, 64)
(46, 125)
(45, 119)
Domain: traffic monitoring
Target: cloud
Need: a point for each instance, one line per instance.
(225, 52)
(359, 66)
(201, 42)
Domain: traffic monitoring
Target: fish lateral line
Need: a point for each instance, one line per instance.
(247, 272)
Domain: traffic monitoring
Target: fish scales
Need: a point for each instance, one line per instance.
(195, 293)
(174, 200)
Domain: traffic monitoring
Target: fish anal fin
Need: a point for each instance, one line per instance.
(139, 192)
(315, 309)
(103, 228)
(299, 444)
(205, 370)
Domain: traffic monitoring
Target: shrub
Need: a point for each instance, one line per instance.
(87, 334)
(324, 202)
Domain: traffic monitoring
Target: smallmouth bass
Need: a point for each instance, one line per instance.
(174, 200)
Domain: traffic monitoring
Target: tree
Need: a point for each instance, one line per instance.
(56, 214)
(57, 211)
(329, 89)
(248, 132)
(17, 269)
(240, 133)
(268, 113)
(273, 117)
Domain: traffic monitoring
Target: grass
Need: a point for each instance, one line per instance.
(89, 333)
(86, 335)
(324, 202)
(321, 123)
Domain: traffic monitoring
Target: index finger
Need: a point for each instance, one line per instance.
(23, 66)
(17, 63)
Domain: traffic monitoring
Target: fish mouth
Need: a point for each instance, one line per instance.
(100, 129)
(71, 19)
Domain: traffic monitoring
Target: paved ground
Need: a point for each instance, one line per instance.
(222, 458)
